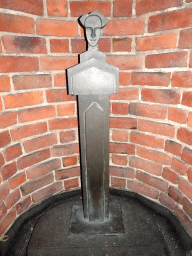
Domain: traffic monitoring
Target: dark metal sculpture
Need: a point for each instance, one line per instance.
(93, 80)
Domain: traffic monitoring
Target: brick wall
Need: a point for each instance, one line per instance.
(150, 119)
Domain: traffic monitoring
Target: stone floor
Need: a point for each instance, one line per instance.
(146, 234)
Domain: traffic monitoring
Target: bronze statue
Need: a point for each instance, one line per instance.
(93, 80)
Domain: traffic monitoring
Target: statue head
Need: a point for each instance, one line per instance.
(93, 22)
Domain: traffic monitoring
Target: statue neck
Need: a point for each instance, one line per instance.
(95, 48)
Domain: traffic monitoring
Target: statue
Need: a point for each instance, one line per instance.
(93, 23)
(93, 80)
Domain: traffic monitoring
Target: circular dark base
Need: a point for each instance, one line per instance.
(150, 229)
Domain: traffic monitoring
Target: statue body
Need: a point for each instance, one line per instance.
(93, 80)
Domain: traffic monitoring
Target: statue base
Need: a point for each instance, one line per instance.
(83, 227)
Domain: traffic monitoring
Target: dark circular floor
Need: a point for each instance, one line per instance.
(146, 234)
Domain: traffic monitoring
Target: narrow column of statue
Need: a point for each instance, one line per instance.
(93, 80)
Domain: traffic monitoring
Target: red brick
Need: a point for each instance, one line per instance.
(122, 44)
(120, 135)
(170, 20)
(23, 205)
(154, 156)
(8, 171)
(23, 99)
(146, 140)
(190, 60)
(166, 201)
(120, 108)
(184, 135)
(185, 40)
(122, 148)
(62, 28)
(69, 161)
(152, 181)
(187, 99)
(18, 64)
(17, 180)
(175, 194)
(63, 150)
(7, 119)
(57, 8)
(118, 182)
(2, 161)
(126, 62)
(145, 6)
(34, 185)
(67, 173)
(124, 78)
(124, 27)
(79, 8)
(1, 105)
(67, 136)
(166, 60)
(16, 24)
(150, 78)
(4, 191)
(33, 7)
(3, 211)
(13, 152)
(187, 155)
(5, 139)
(182, 79)
(126, 94)
(62, 123)
(33, 114)
(59, 45)
(122, 172)
(190, 174)
(186, 188)
(179, 167)
(157, 42)
(156, 128)
(13, 198)
(60, 80)
(32, 81)
(78, 45)
(150, 167)
(105, 45)
(47, 192)
(151, 111)
(5, 84)
(123, 123)
(7, 221)
(28, 130)
(43, 168)
(170, 175)
(40, 142)
(164, 96)
(187, 206)
(67, 109)
(0, 46)
(24, 44)
(177, 115)
(122, 8)
(173, 147)
(70, 184)
(189, 119)
(180, 215)
(57, 63)
(33, 158)
(119, 159)
(142, 188)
